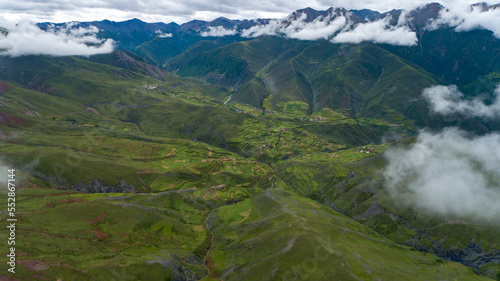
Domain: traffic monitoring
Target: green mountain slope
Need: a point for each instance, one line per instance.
(129, 170)
(156, 134)
(458, 57)
(159, 49)
(198, 48)
(277, 235)
(270, 236)
(356, 188)
(363, 79)
(110, 236)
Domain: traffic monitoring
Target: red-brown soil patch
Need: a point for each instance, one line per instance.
(57, 194)
(100, 235)
(67, 201)
(3, 87)
(6, 118)
(97, 219)
(211, 265)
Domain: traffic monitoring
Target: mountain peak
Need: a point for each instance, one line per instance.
(134, 20)
(194, 25)
(367, 14)
(310, 13)
(485, 6)
(422, 15)
(224, 22)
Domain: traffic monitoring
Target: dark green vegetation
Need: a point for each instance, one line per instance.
(274, 235)
(76, 236)
(364, 80)
(261, 238)
(358, 78)
(259, 159)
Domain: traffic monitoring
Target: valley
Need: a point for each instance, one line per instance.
(194, 157)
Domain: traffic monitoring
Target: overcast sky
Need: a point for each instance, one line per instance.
(182, 11)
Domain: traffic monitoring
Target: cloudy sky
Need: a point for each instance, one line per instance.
(24, 37)
(182, 11)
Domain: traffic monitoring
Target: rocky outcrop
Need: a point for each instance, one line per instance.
(94, 186)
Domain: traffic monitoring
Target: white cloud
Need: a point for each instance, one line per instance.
(448, 100)
(378, 32)
(271, 28)
(320, 28)
(336, 28)
(163, 35)
(465, 18)
(28, 39)
(448, 174)
(218, 31)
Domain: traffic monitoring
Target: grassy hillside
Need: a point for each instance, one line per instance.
(128, 170)
(364, 79)
(161, 133)
(278, 235)
(309, 78)
(349, 182)
(185, 235)
(73, 236)
(458, 57)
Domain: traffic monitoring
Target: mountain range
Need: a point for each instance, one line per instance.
(255, 149)
(285, 69)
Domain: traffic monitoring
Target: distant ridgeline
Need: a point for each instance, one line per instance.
(359, 62)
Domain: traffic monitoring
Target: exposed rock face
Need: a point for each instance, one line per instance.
(97, 186)
(94, 186)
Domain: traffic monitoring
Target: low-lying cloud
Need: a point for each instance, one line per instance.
(218, 31)
(338, 29)
(163, 35)
(271, 28)
(378, 32)
(319, 28)
(27, 38)
(465, 18)
(447, 100)
(450, 173)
